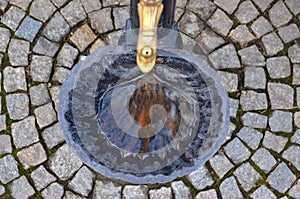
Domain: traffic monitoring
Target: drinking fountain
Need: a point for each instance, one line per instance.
(146, 111)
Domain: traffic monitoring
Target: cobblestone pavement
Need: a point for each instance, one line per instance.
(254, 44)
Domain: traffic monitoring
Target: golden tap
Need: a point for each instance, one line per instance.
(149, 15)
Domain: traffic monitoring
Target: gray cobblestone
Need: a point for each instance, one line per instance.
(29, 29)
(200, 178)
(229, 81)
(41, 67)
(74, 13)
(39, 95)
(251, 100)
(261, 26)
(220, 164)
(67, 56)
(281, 178)
(202, 7)
(42, 178)
(289, 33)
(164, 192)
(263, 5)
(225, 57)
(21, 3)
(237, 151)
(107, 3)
(71, 195)
(45, 47)
(54, 191)
(296, 74)
(82, 183)
(57, 28)
(68, 161)
(209, 194)
(251, 56)
(293, 5)
(32, 156)
(2, 121)
(2, 190)
(91, 5)
(272, 44)
(281, 96)
(264, 160)
(279, 67)
(17, 106)
(230, 189)
(132, 192)
(296, 137)
(263, 193)
(281, 121)
(233, 105)
(42, 9)
(297, 119)
(54, 92)
(241, 34)
(45, 115)
(255, 78)
(228, 5)
(247, 176)
(295, 190)
(294, 53)
(8, 169)
(208, 40)
(83, 37)
(106, 24)
(53, 136)
(181, 4)
(119, 15)
(279, 14)
(292, 154)
(274, 142)
(181, 191)
(106, 190)
(3, 4)
(14, 79)
(60, 74)
(13, 17)
(5, 144)
(20, 188)
(191, 24)
(255, 120)
(298, 96)
(246, 12)
(18, 51)
(4, 38)
(220, 22)
(24, 132)
(59, 3)
(251, 137)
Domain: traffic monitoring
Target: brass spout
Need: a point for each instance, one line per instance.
(149, 15)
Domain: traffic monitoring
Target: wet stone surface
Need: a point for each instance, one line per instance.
(253, 44)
